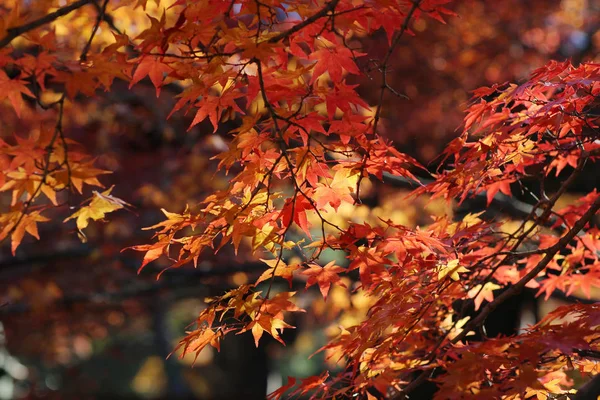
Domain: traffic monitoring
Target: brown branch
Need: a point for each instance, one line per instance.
(514, 289)
(106, 17)
(99, 19)
(324, 11)
(517, 287)
(500, 202)
(590, 390)
(17, 31)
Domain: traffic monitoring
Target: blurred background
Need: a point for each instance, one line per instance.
(77, 321)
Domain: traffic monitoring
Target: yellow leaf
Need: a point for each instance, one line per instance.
(451, 269)
(101, 204)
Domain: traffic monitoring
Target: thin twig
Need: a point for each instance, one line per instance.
(329, 7)
(107, 17)
(99, 19)
(46, 167)
(386, 60)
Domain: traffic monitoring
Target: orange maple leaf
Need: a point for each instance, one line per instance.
(324, 276)
(16, 224)
(278, 268)
(152, 68)
(13, 89)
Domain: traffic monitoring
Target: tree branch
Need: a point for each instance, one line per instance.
(324, 11)
(106, 17)
(517, 287)
(512, 290)
(590, 390)
(17, 31)
(500, 202)
(99, 19)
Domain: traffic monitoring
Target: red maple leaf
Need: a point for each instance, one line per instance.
(295, 210)
(333, 60)
(213, 107)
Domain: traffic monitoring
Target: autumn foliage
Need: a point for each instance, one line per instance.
(279, 81)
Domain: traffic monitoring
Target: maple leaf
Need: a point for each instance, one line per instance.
(153, 251)
(332, 60)
(100, 205)
(278, 394)
(17, 224)
(455, 327)
(482, 294)
(278, 268)
(80, 173)
(79, 82)
(190, 94)
(154, 69)
(279, 303)
(23, 183)
(540, 394)
(27, 153)
(550, 285)
(312, 382)
(324, 276)
(306, 124)
(502, 186)
(295, 209)
(344, 181)
(213, 107)
(585, 282)
(174, 221)
(13, 89)
(451, 269)
(345, 98)
(197, 340)
(266, 323)
(475, 113)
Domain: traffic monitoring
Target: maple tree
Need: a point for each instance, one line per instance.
(279, 82)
